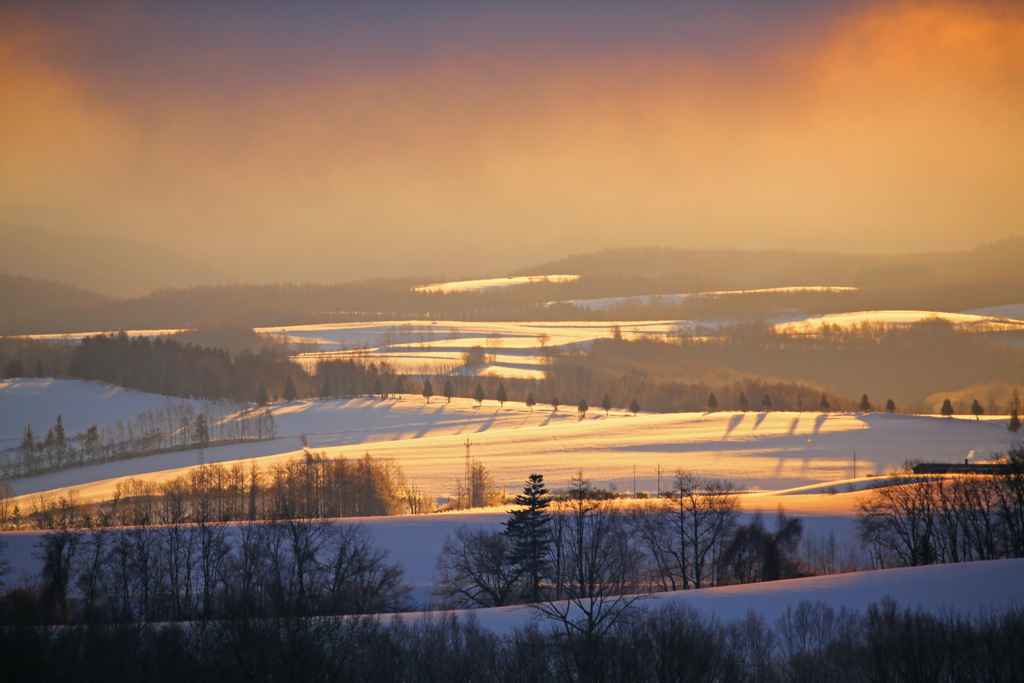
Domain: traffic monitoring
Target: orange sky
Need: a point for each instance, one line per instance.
(886, 127)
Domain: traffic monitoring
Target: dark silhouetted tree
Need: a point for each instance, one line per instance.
(1014, 424)
(529, 529)
(865, 405)
(743, 402)
(554, 404)
(478, 395)
(261, 395)
(947, 408)
(583, 407)
(448, 390)
(475, 569)
(289, 392)
(501, 396)
(201, 431)
(14, 368)
(890, 406)
(378, 388)
(428, 390)
(399, 386)
(530, 401)
(825, 406)
(799, 403)
(766, 403)
(634, 407)
(606, 403)
(977, 410)
(325, 389)
(712, 402)
(39, 368)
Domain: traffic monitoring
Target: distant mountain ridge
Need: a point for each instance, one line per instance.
(781, 268)
(107, 265)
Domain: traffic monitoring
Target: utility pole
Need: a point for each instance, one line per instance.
(469, 497)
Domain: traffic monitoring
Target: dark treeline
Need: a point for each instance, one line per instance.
(165, 366)
(918, 519)
(203, 571)
(812, 641)
(907, 364)
(308, 487)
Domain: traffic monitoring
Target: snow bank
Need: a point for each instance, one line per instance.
(970, 588)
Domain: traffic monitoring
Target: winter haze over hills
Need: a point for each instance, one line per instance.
(511, 341)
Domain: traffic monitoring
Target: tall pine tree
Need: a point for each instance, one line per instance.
(529, 529)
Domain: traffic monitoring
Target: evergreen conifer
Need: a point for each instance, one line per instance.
(529, 529)
(289, 392)
(947, 408)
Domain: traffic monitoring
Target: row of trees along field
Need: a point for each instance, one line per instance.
(310, 487)
(175, 426)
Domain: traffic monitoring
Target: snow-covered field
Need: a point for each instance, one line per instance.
(414, 541)
(802, 461)
(770, 452)
(518, 349)
(675, 299)
(970, 588)
(1011, 311)
(964, 321)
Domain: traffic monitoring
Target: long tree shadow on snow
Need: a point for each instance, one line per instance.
(734, 422)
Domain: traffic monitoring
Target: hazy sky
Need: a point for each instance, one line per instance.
(330, 142)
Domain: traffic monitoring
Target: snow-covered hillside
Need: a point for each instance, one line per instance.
(964, 321)
(767, 451)
(969, 588)
(38, 402)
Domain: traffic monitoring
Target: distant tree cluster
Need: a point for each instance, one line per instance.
(310, 487)
(165, 366)
(917, 520)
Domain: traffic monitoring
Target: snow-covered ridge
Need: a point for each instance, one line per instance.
(492, 284)
(967, 321)
(675, 299)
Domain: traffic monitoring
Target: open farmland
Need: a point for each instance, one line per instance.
(758, 451)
